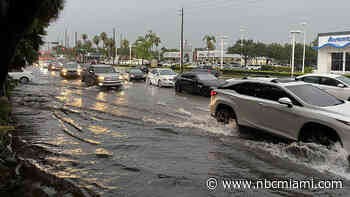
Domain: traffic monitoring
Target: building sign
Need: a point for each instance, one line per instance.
(333, 41)
(340, 39)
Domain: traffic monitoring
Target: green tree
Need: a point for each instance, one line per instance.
(96, 40)
(84, 37)
(104, 37)
(125, 44)
(17, 21)
(248, 50)
(209, 41)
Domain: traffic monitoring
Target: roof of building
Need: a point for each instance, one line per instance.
(334, 33)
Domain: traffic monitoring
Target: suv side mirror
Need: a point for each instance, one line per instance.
(341, 85)
(285, 101)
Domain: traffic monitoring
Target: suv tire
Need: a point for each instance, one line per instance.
(226, 116)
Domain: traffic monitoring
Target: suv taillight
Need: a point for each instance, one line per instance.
(213, 93)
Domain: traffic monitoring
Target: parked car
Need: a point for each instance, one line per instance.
(71, 70)
(162, 77)
(207, 69)
(134, 74)
(336, 85)
(102, 76)
(198, 83)
(295, 110)
(23, 76)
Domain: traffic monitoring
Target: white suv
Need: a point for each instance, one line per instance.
(338, 85)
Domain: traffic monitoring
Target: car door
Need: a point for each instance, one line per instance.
(278, 118)
(247, 103)
(331, 86)
(187, 82)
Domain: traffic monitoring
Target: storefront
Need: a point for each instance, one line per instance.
(334, 52)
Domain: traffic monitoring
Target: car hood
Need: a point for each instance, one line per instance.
(214, 83)
(71, 69)
(167, 76)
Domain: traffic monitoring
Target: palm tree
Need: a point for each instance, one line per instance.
(104, 37)
(84, 37)
(96, 40)
(125, 44)
(209, 40)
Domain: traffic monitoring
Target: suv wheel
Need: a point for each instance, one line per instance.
(90, 82)
(227, 116)
(24, 80)
(319, 135)
(205, 92)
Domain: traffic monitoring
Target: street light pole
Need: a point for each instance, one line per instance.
(304, 52)
(130, 53)
(294, 33)
(241, 30)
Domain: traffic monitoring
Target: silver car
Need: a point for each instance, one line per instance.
(295, 110)
(336, 85)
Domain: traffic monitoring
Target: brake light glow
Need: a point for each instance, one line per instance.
(213, 93)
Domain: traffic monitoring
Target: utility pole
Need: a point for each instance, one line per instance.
(130, 52)
(294, 33)
(114, 45)
(182, 41)
(242, 30)
(222, 51)
(304, 52)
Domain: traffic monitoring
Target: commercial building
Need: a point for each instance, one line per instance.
(215, 56)
(333, 52)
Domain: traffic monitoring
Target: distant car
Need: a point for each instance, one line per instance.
(23, 76)
(197, 83)
(336, 85)
(102, 76)
(134, 74)
(71, 70)
(207, 69)
(55, 66)
(294, 110)
(162, 77)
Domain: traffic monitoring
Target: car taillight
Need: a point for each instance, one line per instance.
(213, 93)
(208, 70)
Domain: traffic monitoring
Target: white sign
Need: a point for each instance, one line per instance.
(334, 41)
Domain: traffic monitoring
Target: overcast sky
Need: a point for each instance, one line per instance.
(263, 20)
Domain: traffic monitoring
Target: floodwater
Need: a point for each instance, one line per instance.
(147, 141)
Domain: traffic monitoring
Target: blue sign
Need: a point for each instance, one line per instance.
(340, 39)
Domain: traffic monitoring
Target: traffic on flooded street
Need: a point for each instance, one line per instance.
(145, 140)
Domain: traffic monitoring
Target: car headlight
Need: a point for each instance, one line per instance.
(120, 77)
(132, 75)
(344, 122)
(100, 78)
(64, 70)
(79, 70)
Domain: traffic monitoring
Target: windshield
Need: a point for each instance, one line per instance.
(135, 71)
(314, 96)
(344, 80)
(206, 77)
(72, 65)
(166, 72)
(104, 70)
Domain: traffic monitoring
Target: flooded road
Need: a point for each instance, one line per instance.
(148, 141)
